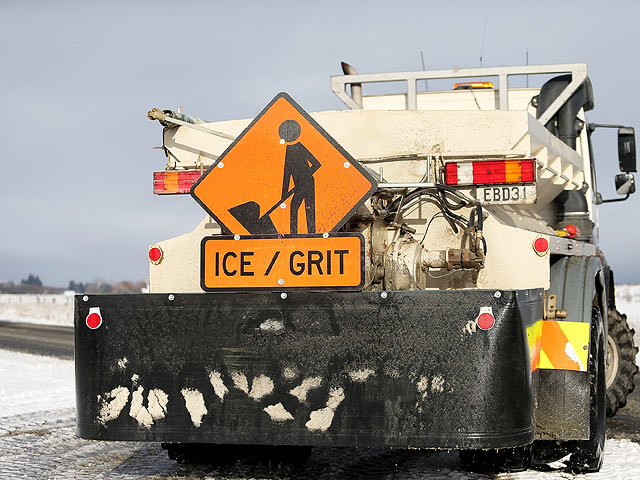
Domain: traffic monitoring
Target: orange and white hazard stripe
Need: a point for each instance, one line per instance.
(559, 345)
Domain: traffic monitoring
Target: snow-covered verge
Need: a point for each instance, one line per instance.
(48, 309)
(32, 383)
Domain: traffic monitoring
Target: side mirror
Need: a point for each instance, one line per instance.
(626, 150)
(625, 184)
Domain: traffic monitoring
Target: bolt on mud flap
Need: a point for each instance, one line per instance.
(408, 368)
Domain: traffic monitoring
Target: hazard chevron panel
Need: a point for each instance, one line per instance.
(559, 345)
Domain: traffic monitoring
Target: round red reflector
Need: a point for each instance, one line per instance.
(486, 321)
(155, 254)
(541, 245)
(94, 320)
(571, 230)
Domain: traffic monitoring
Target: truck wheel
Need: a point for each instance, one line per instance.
(621, 366)
(501, 460)
(587, 455)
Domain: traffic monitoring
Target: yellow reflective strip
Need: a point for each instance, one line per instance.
(534, 338)
(578, 347)
(565, 345)
(544, 361)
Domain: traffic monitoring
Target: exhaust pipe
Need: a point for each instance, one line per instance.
(356, 88)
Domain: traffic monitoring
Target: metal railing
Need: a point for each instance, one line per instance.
(578, 73)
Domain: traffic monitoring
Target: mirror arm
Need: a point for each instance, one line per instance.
(614, 199)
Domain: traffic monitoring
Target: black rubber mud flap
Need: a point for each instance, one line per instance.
(405, 369)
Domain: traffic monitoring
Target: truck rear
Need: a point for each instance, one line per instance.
(421, 270)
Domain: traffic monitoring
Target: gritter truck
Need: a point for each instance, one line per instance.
(419, 270)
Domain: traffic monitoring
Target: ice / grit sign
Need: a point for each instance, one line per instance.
(272, 262)
(283, 175)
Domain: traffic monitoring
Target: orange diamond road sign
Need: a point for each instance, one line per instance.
(283, 175)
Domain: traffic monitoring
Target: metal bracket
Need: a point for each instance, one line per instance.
(550, 311)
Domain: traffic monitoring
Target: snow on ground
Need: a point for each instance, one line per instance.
(45, 309)
(32, 383)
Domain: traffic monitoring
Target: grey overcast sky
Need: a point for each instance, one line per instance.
(78, 78)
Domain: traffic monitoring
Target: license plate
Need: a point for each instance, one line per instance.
(507, 194)
(280, 263)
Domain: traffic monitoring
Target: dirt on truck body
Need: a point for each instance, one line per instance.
(420, 270)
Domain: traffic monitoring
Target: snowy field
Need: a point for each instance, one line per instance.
(45, 309)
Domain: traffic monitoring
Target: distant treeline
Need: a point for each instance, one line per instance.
(33, 284)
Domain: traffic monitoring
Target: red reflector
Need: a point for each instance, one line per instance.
(541, 245)
(571, 230)
(173, 182)
(155, 254)
(486, 321)
(94, 320)
(490, 172)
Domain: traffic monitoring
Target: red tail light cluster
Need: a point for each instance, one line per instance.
(488, 172)
(172, 182)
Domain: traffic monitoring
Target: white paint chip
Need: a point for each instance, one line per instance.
(218, 385)
(122, 363)
(272, 325)
(194, 401)
(437, 384)
(423, 385)
(289, 373)
(301, 391)
(361, 376)
(138, 411)
(573, 355)
(240, 381)
(261, 387)
(157, 401)
(134, 378)
(113, 403)
(320, 420)
(278, 413)
(471, 327)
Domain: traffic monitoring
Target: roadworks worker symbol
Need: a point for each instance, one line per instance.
(283, 175)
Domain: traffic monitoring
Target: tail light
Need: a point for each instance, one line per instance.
(172, 182)
(488, 172)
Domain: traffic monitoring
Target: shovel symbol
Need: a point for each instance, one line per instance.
(248, 215)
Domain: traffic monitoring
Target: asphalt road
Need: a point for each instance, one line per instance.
(48, 340)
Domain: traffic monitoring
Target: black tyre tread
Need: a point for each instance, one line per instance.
(623, 384)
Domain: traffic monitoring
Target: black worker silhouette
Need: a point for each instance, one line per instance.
(299, 166)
